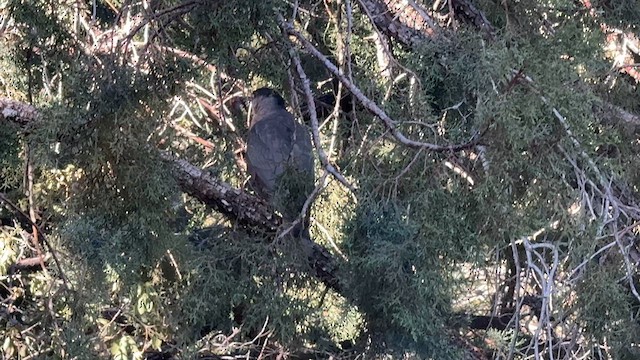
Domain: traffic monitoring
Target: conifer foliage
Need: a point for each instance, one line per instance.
(475, 197)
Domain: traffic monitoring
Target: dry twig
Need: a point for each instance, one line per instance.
(368, 103)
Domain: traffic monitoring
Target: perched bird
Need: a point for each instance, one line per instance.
(279, 157)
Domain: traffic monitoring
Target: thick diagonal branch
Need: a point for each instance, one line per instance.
(237, 204)
(248, 210)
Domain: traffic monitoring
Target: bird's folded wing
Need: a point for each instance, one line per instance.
(269, 147)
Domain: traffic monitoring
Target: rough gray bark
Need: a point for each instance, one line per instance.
(17, 112)
(384, 17)
(249, 211)
(246, 209)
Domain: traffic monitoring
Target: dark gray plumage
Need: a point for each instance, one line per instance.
(279, 155)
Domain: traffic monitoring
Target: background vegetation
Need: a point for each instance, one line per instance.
(476, 193)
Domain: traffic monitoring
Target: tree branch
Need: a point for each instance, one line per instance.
(17, 112)
(368, 103)
(235, 203)
(248, 210)
(384, 18)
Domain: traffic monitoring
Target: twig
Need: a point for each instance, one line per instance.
(330, 239)
(368, 103)
(345, 66)
(17, 210)
(183, 8)
(33, 262)
(307, 204)
(384, 39)
(517, 286)
(205, 143)
(32, 213)
(189, 56)
(347, 39)
(314, 123)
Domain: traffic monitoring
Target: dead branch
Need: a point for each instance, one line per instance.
(324, 159)
(29, 264)
(389, 123)
(468, 13)
(13, 207)
(386, 20)
(17, 112)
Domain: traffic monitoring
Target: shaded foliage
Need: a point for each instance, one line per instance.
(524, 214)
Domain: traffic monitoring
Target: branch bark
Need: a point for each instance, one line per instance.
(393, 18)
(249, 211)
(368, 103)
(17, 112)
(237, 204)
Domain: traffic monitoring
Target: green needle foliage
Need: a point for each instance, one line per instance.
(535, 223)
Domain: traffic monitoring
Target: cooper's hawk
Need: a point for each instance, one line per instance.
(279, 156)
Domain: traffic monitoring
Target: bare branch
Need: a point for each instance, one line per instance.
(17, 112)
(324, 159)
(410, 30)
(248, 210)
(13, 207)
(368, 103)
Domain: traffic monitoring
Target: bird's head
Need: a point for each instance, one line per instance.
(265, 101)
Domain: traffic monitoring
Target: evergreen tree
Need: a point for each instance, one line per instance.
(475, 195)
